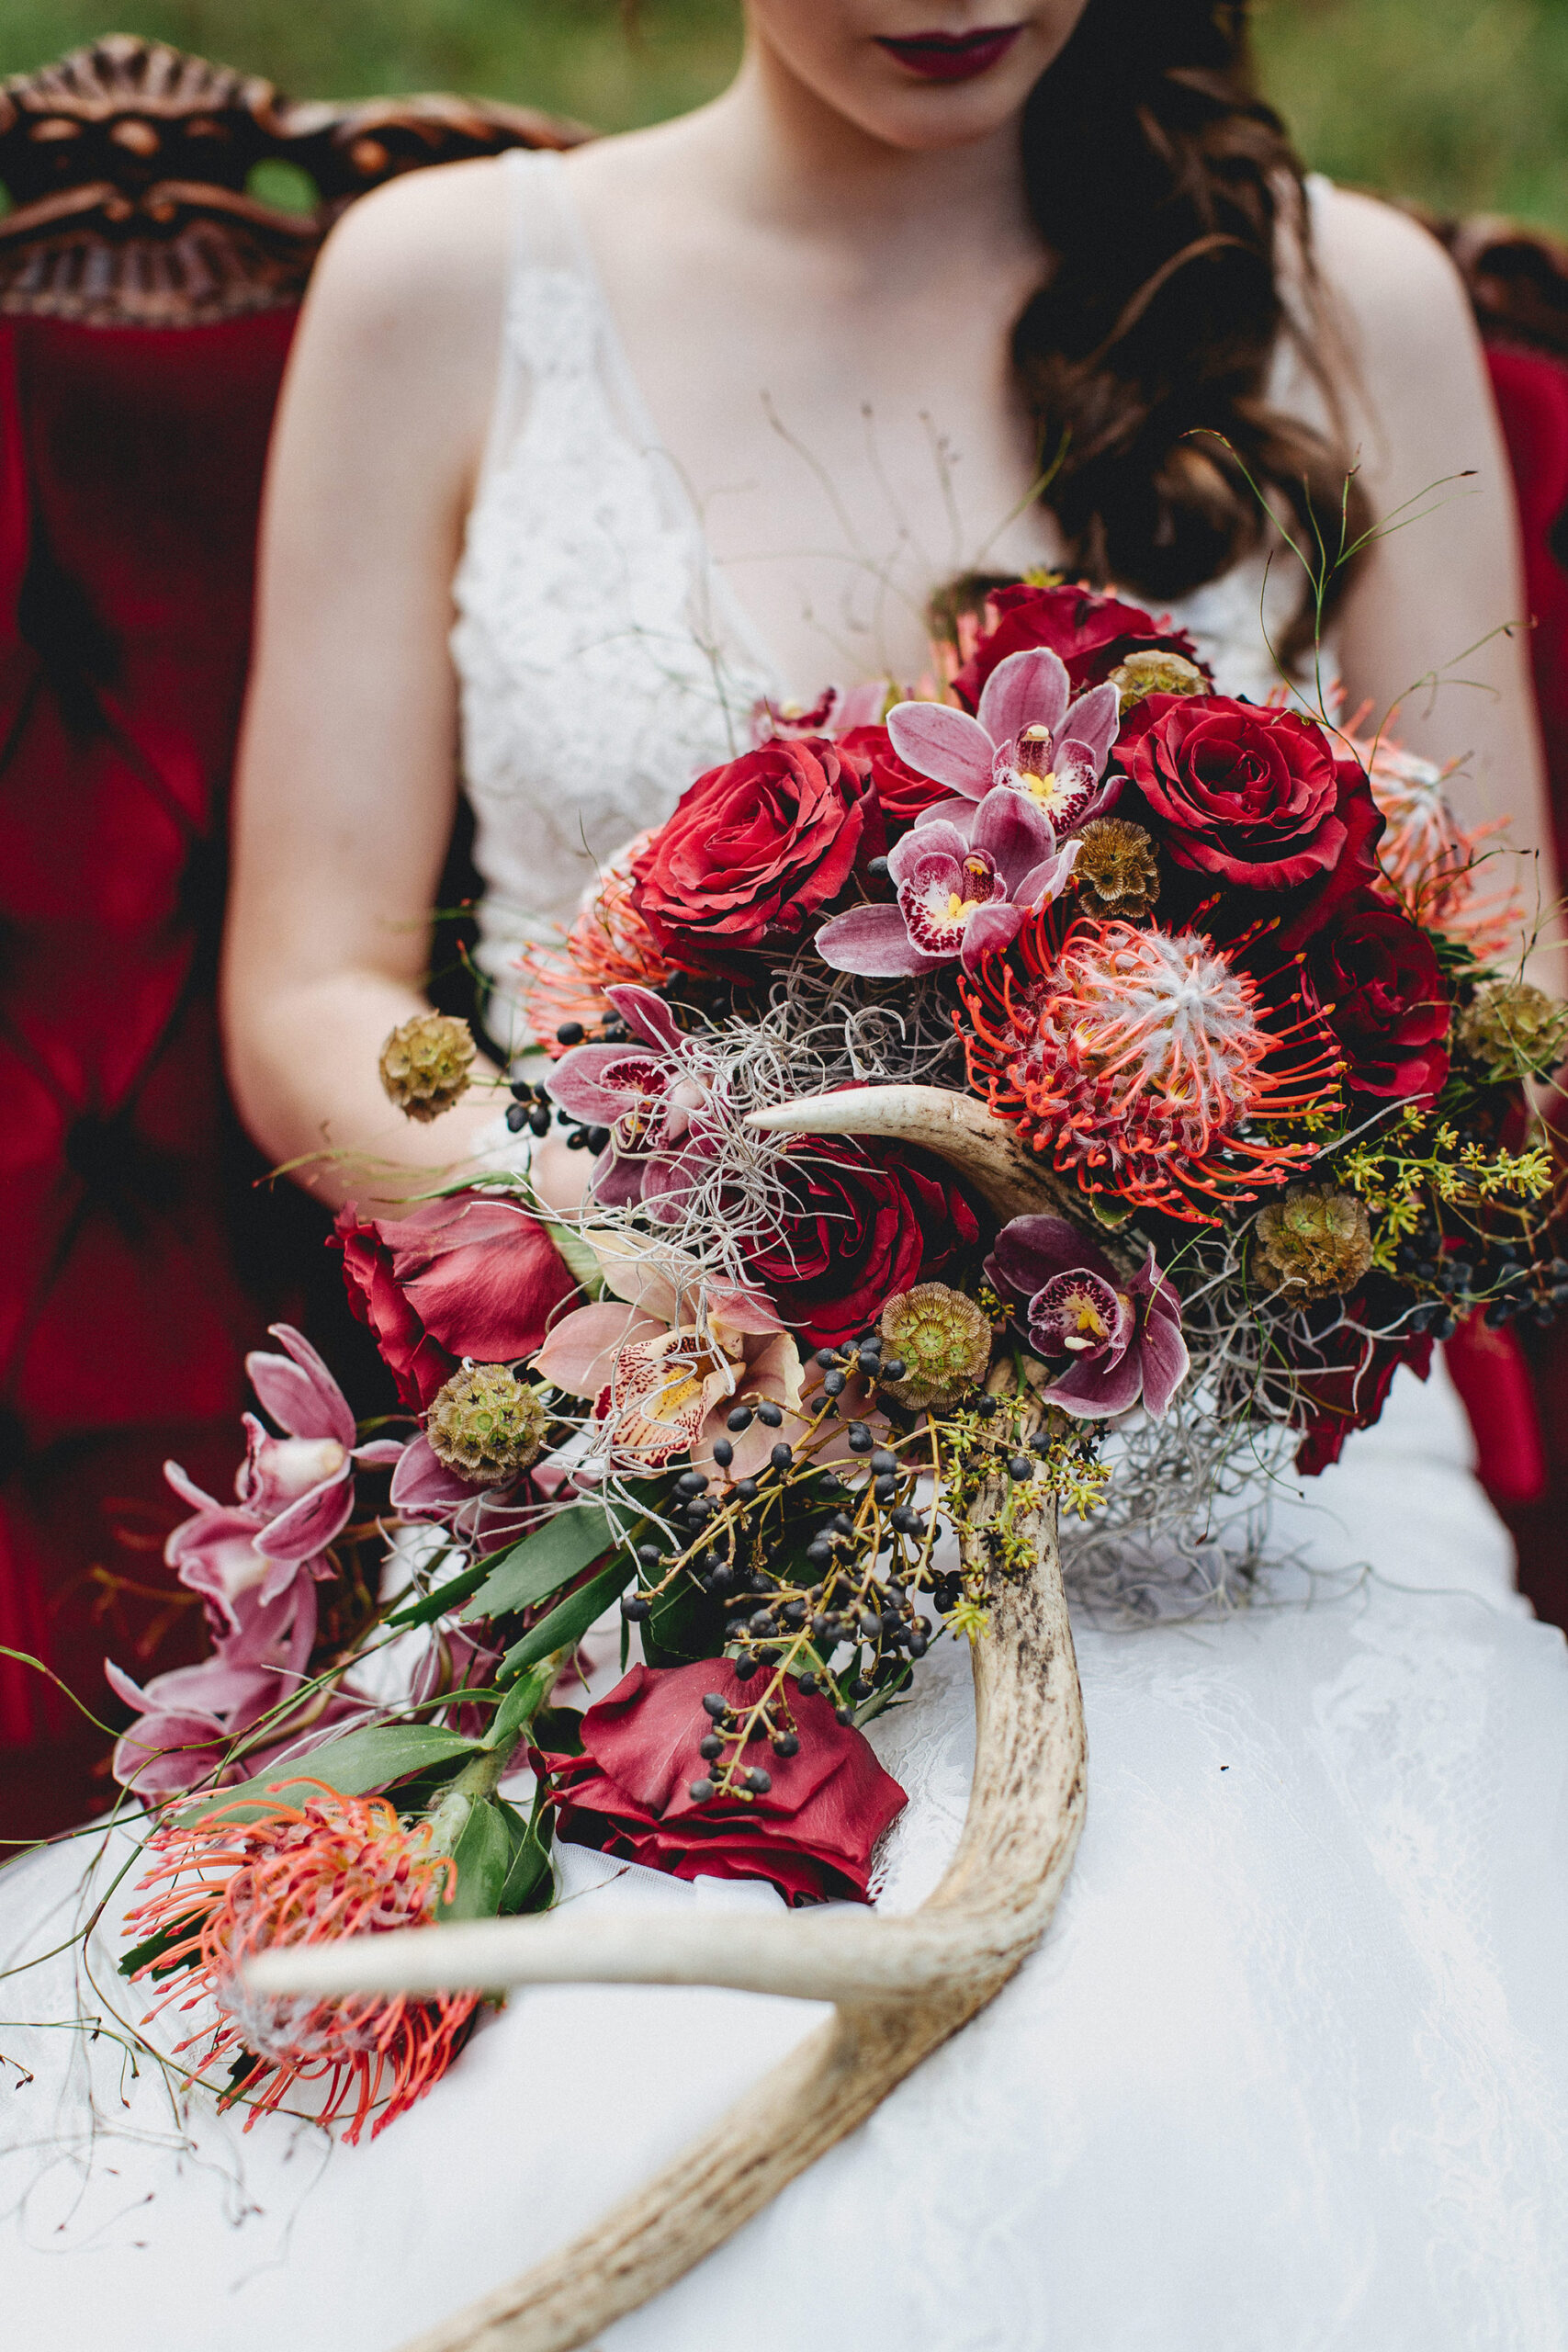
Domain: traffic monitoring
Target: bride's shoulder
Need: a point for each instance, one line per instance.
(402, 329)
(432, 242)
(1390, 279)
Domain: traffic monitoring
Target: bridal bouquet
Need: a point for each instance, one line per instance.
(1077, 1089)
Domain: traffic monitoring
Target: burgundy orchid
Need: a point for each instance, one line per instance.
(1025, 736)
(967, 877)
(1122, 1338)
(652, 1096)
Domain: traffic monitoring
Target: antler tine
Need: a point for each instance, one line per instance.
(805, 1958)
(957, 1128)
(902, 1985)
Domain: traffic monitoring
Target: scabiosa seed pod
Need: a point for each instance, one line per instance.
(1512, 1029)
(1316, 1243)
(1117, 872)
(1154, 673)
(425, 1065)
(487, 1425)
(942, 1338)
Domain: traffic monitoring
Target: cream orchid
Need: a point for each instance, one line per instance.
(671, 1356)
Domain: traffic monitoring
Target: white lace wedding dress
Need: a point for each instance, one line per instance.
(1290, 2072)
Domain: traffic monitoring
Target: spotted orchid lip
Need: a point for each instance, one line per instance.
(951, 57)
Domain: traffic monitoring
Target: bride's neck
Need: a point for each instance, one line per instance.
(795, 163)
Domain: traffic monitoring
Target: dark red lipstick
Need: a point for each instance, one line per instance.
(952, 57)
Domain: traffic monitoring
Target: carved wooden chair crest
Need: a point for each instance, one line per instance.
(130, 169)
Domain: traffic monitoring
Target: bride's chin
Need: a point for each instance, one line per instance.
(851, 57)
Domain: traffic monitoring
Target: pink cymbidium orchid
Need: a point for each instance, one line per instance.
(295, 1492)
(669, 1357)
(1121, 1337)
(301, 1484)
(966, 876)
(655, 1097)
(425, 1489)
(1028, 735)
(189, 1720)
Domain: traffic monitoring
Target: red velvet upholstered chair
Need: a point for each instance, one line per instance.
(147, 300)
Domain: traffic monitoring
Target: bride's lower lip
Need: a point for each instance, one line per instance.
(952, 57)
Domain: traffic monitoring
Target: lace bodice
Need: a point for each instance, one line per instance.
(604, 660)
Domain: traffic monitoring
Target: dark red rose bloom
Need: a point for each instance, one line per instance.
(863, 1220)
(463, 1277)
(811, 1834)
(1350, 1373)
(902, 794)
(753, 850)
(1380, 983)
(1089, 632)
(1249, 794)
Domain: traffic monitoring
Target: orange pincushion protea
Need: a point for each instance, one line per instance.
(609, 945)
(1144, 1063)
(336, 1866)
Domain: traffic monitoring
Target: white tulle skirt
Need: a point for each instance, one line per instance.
(1289, 2073)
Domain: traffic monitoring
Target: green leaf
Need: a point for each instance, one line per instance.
(530, 1882)
(683, 1624)
(156, 1946)
(521, 1703)
(371, 1759)
(431, 1605)
(570, 1621)
(483, 1858)
(558, 1730)
(544, 1561)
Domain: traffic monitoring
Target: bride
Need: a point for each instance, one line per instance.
(580, 460)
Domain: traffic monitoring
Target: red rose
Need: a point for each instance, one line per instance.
(1250, 795)
(1348, 1375)
(468, 1276)
(902, 794)
(751, 850)
(1382, 990)
(811, 1834)
(1089, 632)
(863, 1220)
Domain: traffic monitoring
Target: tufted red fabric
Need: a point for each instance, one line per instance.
(1531, 391)
(129, 473)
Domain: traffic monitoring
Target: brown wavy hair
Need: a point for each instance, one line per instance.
(1166, 192)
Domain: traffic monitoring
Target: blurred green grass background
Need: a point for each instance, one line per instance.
(1460, 104)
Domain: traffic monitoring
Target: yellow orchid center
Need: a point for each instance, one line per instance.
(960, 910)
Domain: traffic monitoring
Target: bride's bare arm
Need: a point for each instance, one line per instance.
(1437, 621)
(346, 779)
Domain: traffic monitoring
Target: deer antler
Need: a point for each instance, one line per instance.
(957, 1128)
(902, 1985)
(1009, 1176)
